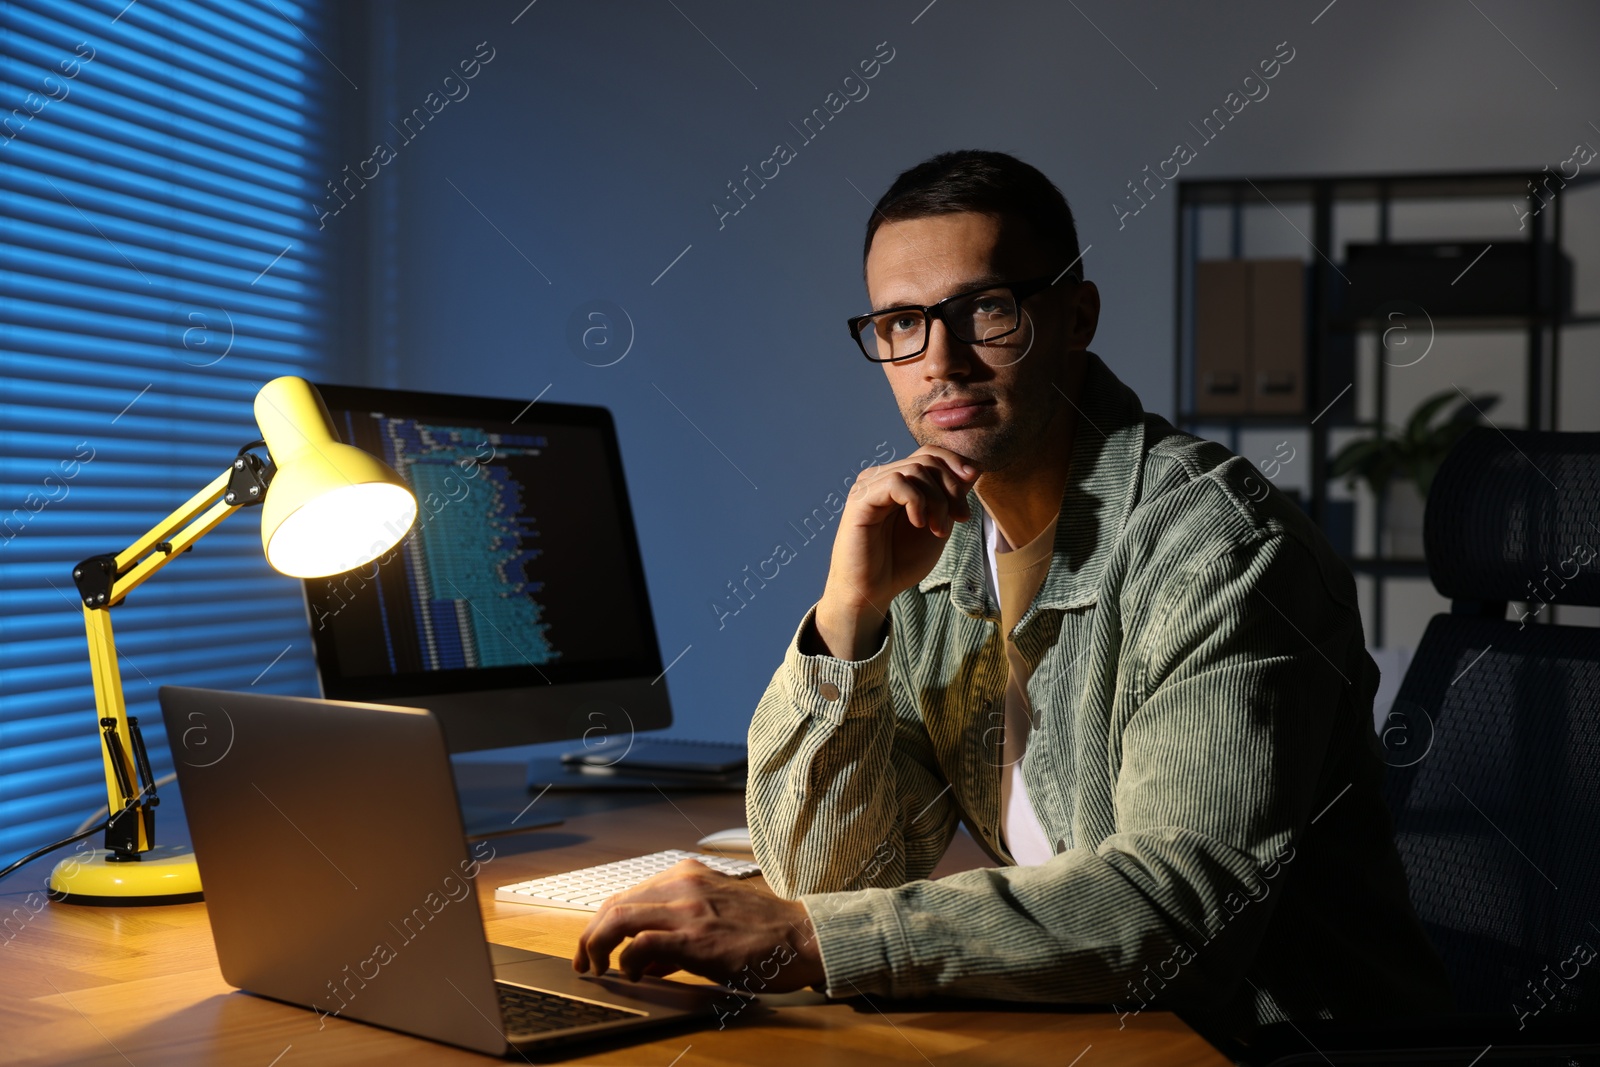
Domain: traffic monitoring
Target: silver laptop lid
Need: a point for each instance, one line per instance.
(335, 867)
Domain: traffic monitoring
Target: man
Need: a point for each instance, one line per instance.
(1135, 671)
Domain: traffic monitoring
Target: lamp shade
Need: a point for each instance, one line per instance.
(331, 507)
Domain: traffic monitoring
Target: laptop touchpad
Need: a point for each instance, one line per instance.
(500, 955)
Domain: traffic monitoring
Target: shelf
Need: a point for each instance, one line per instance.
(1247, 418)
(1357, 187)
(1301, 421)
(1470, 322)
(1212, 219)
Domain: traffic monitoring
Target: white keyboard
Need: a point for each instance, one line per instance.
(587, 889)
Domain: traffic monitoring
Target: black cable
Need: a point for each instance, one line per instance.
(30, 857)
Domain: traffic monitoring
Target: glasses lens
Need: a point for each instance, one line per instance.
(893, 334)
(983, 317)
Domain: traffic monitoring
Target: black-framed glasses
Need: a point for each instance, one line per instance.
(977, 317)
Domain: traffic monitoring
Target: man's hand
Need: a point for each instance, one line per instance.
(890, 535)
(691, 918)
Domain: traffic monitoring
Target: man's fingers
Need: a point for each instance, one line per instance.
(957, 471)
(654, 952)
(938, 473)
(580, 958)
(944, 485)
(957, 464)
(662, 887)
(954, 487)
(958, 482)
(621, 921)
(922, 496)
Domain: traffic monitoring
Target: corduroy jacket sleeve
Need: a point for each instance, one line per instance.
(844, 790)
(1216, 743)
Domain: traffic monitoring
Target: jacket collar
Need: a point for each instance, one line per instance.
(1102, 485)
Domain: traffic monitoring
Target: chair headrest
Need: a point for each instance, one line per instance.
(1515, 515)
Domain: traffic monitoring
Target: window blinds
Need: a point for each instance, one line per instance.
(158, 264)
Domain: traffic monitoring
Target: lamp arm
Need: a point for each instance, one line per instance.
(104, 582)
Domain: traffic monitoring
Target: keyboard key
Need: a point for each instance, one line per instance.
(587, 889)
(531, 1011)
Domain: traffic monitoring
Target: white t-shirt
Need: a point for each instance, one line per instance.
(1024, 835)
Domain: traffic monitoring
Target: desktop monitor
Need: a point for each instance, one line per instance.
(515, 610)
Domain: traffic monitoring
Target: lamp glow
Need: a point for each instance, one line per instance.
(340, 530)
(331, 507)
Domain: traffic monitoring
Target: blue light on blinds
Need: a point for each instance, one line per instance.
(158, 264)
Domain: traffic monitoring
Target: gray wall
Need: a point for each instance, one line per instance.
(593, 144)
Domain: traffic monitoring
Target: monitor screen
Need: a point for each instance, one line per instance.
(516, 606)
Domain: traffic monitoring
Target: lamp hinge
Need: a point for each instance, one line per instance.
(138, 795)
(247, 484)
(94, 578)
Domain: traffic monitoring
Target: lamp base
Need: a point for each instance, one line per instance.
(164, 875)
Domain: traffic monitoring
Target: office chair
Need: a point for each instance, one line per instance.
(1494, 752)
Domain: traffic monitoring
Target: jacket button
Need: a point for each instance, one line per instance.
(829, 691)
(1061, 844)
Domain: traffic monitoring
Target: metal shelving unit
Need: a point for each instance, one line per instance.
(1330, 342)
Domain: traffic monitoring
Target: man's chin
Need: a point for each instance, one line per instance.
(977, 445)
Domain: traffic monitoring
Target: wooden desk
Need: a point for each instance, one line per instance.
(140, 986)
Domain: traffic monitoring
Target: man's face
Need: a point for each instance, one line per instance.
(986, 402)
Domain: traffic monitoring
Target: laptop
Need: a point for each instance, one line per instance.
(338, 877)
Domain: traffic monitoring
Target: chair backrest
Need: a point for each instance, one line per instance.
(1494, 738)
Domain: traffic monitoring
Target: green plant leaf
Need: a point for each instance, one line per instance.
(1371, 460)
(1468, 410)
(1357, 456)
(1429, 451)
(1416, 453)
(1417, 426)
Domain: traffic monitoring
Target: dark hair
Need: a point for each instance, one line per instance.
(989, 183)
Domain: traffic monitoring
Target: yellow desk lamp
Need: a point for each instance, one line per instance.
(332, 507)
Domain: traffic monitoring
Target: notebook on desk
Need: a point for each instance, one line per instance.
(337, 877)
(629, 762)
(670, 754)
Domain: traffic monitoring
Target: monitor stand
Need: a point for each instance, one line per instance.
(510, 792)
(548, 772)
(493, 822)
(493, 804)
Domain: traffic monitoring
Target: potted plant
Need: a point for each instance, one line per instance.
(1399, 466)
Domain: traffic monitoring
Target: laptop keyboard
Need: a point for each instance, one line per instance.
(588, 888)
(533, 1011)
